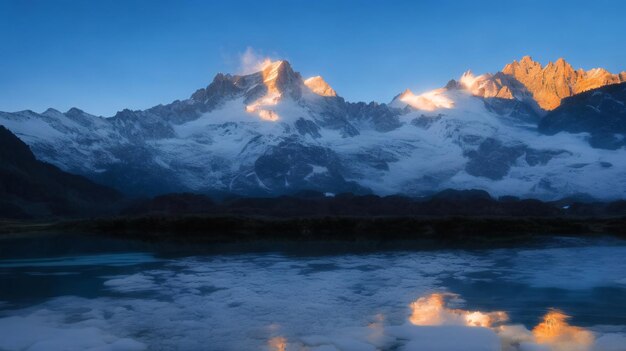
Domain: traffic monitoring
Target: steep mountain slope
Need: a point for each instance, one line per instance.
(273, 132)
(600, 112)
(29, 187)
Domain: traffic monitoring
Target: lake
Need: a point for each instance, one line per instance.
(81, 292)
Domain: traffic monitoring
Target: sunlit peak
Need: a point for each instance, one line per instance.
(264, 64)
(319, 86)
(406, 93)
(270, 68)
(270, 72)
(468, 79)
(428, 101)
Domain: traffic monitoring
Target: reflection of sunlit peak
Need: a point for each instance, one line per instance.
(378, 320)
(376, 329)
(433, 310)
(428, 310)
(553, 333)
(277, 343)
(480, 319)
(559, 335)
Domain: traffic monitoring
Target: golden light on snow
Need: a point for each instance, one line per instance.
(260, 106)
(486, 85)
(319, 86)
(264, 64)
(268, 115)
(468, 80)
(429, 101)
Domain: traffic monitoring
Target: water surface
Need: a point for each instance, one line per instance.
(61, 292)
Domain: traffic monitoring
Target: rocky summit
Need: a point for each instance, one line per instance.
(547, 85)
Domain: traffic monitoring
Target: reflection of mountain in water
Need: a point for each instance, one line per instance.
(84, 292)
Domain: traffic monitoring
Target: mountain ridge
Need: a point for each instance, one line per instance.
(557, 80)
(269, 133)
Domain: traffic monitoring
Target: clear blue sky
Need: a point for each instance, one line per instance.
(103, 56)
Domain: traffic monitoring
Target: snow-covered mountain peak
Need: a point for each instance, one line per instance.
(51, 112)
(275, 81)
(492, 86)
(319, 86)
(280, 81)
(271, 69)
(279, 77)
(428, 101)
(468, 79)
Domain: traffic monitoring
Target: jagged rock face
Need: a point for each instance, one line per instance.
(494, 160)
(272, 132)
(488, 85)
(280, 78)
(291, 164)
(558, 80)
(519, 110)
(529, 81)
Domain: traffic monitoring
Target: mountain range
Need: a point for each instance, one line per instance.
(528, 130)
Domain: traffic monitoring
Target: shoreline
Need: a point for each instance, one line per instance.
(453, 230)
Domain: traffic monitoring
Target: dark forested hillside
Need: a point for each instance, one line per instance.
(31, 188)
